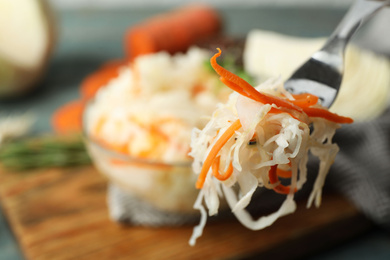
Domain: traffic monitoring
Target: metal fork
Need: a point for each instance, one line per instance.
(321, 75)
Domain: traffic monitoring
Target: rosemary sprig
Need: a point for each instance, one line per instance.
(44, 152)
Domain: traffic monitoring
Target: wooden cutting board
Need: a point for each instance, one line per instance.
(62, 214)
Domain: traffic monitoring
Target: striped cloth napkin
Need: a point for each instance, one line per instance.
(362, 167)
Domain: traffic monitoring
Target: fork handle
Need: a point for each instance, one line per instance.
(359, 13)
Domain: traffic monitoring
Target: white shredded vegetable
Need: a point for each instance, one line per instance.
(148, 111)
(265, 139)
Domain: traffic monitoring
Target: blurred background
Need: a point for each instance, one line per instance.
(220, 3)
(77, 36)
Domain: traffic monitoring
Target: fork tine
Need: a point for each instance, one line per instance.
(322, 74)
(316, 70)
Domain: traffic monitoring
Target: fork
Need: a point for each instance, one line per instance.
(322, 74)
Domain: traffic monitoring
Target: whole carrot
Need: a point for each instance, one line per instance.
(174, 31)
(68, 118)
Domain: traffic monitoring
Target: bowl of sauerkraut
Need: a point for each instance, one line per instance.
(167, 186)
(138, 127)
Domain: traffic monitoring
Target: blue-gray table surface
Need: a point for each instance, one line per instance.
(87, 38)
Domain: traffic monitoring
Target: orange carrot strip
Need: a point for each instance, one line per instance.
(275, 110)
(251, 91)
(281, 189)
(293, 113)
(241, 86)
(236, 88)
(320, 112)
(197, 89)
(68, 118)
(283, 173)
(313, 112)
(214, 152)
(99, 126)
(215, 169)
(304, 100)
(273, 178)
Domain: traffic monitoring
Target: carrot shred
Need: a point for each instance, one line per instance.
(215, 169)
(214, 152)
(273, 178)
(293, 113)
(319, 112)
(281, 189)
(302, 104)
(197, 89)
(283, 173)
(236, 88)
(247, 88)
(299, 108)
(304, 100)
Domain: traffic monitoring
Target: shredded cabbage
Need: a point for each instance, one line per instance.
(266, 139)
